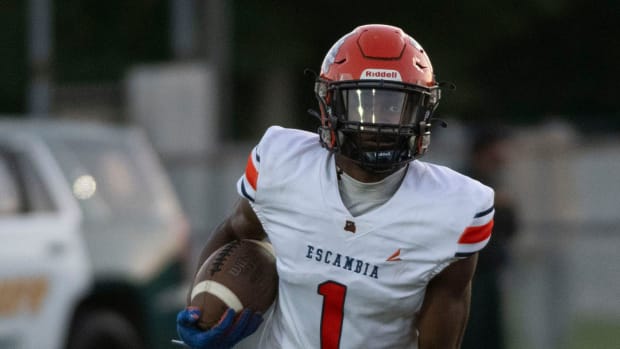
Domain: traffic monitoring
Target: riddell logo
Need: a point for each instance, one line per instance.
(385, 74)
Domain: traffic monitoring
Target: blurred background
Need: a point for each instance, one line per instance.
(204, 79)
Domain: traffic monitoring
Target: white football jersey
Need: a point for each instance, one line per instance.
(355, 282)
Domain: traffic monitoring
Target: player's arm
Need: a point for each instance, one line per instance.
(242, 223)
(445, 310)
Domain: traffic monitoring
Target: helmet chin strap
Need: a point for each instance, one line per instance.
(371, 174)
(388, 169)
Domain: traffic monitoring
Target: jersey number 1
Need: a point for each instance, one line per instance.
(333, 311)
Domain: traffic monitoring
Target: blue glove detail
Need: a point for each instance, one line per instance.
(224, 335)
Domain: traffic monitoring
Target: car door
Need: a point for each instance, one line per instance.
(43, 267)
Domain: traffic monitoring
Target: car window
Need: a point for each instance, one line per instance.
(10, 202)
(22, 190)
(107, 180)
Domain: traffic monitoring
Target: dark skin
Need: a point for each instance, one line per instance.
(443, 316)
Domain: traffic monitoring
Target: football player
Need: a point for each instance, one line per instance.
(375, 249)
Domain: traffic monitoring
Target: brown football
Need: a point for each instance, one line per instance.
(241, 274)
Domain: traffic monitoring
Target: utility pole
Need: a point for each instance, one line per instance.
(183, 33)
(217, 33)
(39, 54)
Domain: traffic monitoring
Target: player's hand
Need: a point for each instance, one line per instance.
(229, 331)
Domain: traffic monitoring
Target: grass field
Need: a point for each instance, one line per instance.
(595, 334)
(583, 334)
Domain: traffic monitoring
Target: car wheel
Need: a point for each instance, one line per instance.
(103, 329)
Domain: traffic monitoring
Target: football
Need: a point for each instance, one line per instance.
(241, 274)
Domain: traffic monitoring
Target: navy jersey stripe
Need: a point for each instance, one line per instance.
(245, 193)
(464, 254)
(257, 156)
(484, 213)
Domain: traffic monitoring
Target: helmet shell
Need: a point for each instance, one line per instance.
(371, 61)
(378, 51)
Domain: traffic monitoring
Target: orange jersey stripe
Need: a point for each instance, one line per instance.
(250, 172)
(473, 235)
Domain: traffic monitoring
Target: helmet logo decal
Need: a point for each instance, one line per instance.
(384, 74)
(332, 53)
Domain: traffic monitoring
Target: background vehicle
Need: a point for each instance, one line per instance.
(93, 240)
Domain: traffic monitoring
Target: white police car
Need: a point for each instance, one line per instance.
(92, 239)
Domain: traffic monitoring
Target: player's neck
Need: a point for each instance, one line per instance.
(358, 173)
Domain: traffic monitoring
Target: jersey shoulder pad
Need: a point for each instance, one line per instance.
(276, 152)
(280, 143)
(478, 233)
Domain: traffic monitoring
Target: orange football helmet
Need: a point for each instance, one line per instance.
(377, 94)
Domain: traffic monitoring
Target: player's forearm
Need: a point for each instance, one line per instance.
(444, 324)
(242, 223)
(218, 237)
